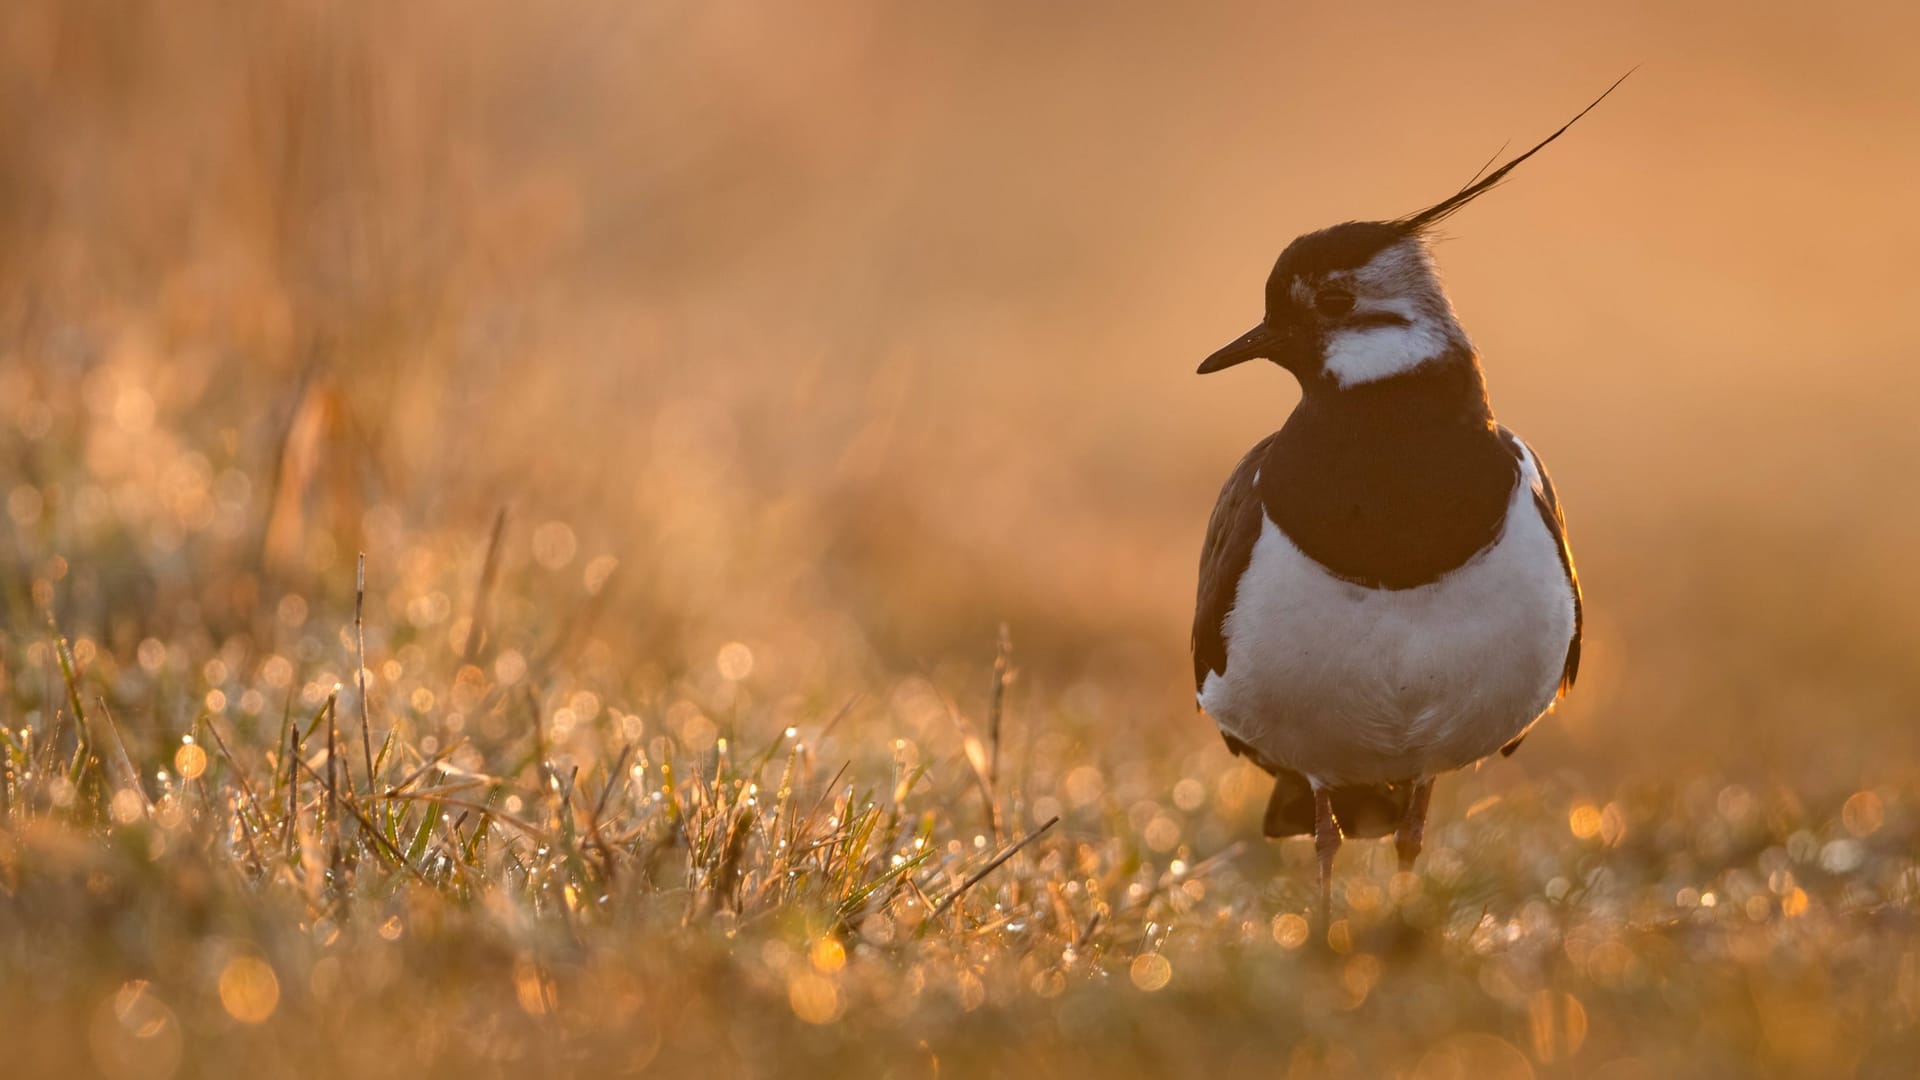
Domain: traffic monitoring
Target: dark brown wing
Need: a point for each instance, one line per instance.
(1549, 506)
(1362, 811)
(1230, 536)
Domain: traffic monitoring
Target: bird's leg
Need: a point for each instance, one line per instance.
(1414, 825)
(1326, 841)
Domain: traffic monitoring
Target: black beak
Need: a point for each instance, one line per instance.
(1252, 345)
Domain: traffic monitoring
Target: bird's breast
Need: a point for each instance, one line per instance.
(1392, 509)
(1354, 683)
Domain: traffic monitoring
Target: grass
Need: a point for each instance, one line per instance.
(554, 868)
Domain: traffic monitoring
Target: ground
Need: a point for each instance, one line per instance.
(765, 886)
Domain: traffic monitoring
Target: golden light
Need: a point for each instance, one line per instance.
(127, 806)
(190, 761)
(735, 661)
(249, 989)
(1863, 814)
(1558, 1023)
(533, 989)
(813, 998)
(1151, 972)
(828, 955)
(1584, 821)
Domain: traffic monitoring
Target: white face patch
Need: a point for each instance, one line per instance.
(1379, 352)
(1399, 281)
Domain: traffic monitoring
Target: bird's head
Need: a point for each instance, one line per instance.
(1360, 302)
(1351, 304)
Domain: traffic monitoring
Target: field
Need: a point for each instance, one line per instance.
(593, 540)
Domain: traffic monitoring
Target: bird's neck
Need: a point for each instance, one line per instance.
(1446, 390)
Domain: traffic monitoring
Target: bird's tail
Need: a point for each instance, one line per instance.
(1363, 811)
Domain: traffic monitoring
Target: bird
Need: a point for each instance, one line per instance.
(1386, 589)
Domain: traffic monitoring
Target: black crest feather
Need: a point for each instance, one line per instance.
(1476, 187)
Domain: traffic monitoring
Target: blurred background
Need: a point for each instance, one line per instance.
(849, 332)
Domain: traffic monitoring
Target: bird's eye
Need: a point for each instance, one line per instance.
(1333, 303)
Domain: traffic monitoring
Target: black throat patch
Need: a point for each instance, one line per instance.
(1394, 484)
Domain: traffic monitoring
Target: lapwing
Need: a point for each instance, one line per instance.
(1386, 591)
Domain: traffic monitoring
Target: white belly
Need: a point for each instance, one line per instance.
(1348, 684)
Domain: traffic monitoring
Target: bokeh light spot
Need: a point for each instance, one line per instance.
(249, 990)
(126, 807)
(813, 998)
(554, 545)
(1863, 814)
(828, 955)
(1290, 930)
(735, 661)
(134, 1036)
(1584, 821)
(1151, 972)
(190, 760)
